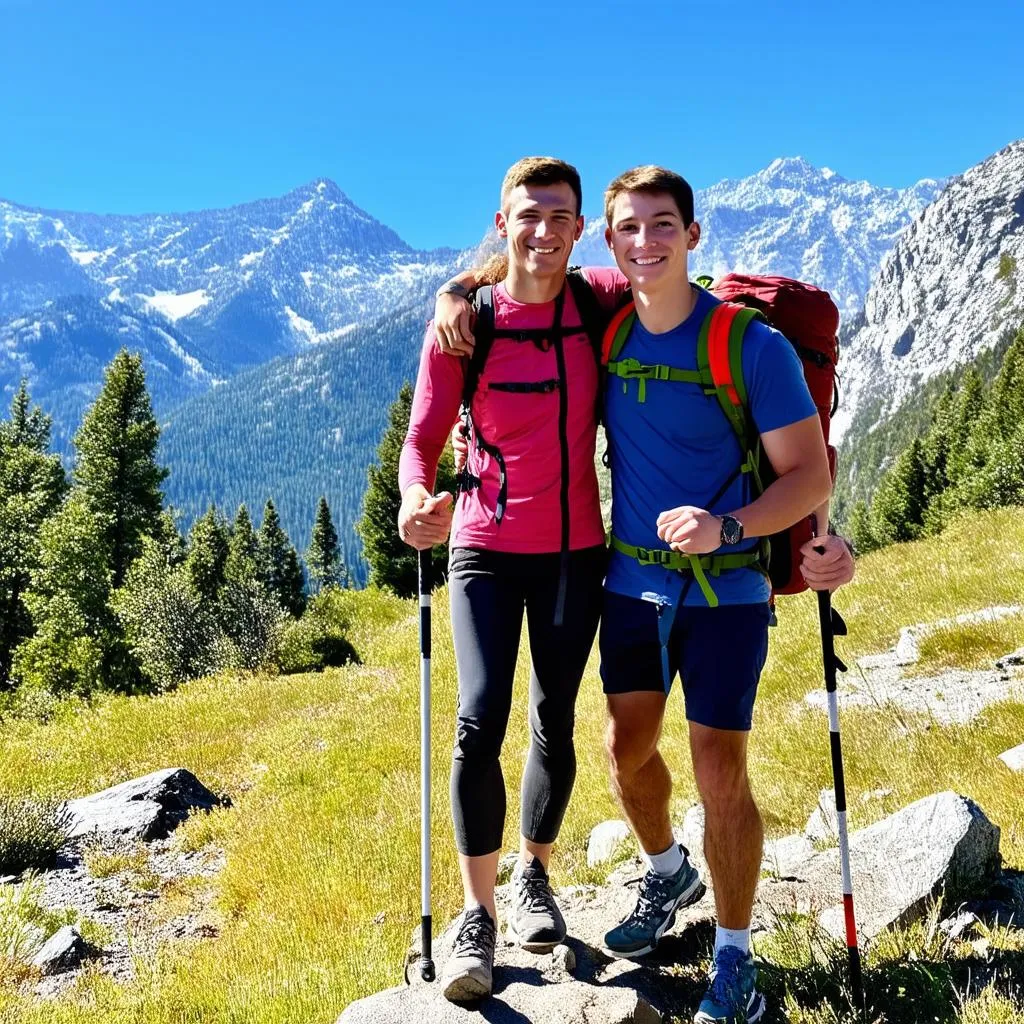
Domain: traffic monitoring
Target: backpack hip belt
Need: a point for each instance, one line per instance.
(697, 565)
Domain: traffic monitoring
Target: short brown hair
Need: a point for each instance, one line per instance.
(650, 179)
(542, 170)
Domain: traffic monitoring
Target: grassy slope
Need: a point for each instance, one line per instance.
(324, 773)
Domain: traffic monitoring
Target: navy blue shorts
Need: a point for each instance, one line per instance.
(719, 652)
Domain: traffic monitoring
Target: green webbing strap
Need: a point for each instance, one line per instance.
(633, 369)
(698, 565)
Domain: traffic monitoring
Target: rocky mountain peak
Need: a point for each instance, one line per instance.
(953, 284)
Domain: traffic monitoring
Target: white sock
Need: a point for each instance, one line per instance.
(666, 863)
(738, 937)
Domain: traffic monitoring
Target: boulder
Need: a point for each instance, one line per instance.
(1014, 758)
(605, 841)
(783, 857)
(1011, 660)
(521, 1000)
(142, 809)
(823, 824)
(940, 846)
(63, 951)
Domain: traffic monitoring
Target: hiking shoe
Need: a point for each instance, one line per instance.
(468, 973)
(731, 997)
(655, 911)
(534, 920)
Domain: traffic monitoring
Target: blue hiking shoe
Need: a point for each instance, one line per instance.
(655, 911)
(731, 997)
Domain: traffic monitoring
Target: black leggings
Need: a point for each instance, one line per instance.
(488, 591)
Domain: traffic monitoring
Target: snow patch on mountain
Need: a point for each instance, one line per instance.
(174, 306)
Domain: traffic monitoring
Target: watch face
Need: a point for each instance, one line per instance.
(731, 530)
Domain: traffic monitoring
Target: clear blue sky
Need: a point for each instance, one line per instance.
(416, 109)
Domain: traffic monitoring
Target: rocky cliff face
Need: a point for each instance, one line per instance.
(953, 284)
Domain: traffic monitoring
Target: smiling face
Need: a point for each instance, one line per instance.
(541, 223)
(649, 239)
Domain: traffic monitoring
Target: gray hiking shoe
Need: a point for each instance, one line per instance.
(468, 973)
(655, 911)
(731, 997)
(534, 920)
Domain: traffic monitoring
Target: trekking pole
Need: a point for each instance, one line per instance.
(832, 625)
(426, 962)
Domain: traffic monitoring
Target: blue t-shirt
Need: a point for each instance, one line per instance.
(677, 448)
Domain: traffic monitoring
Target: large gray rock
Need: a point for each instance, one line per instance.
(520, 1000)
(783, 857)
(142, 809)
(605, 841)
(940, 846)
(823, 824)
(63, 951)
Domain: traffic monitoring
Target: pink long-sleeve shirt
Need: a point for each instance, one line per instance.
(525, 427)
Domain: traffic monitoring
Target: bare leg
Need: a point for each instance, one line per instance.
(639, 774)
(478, 877)
(733, 834)
(528, 849)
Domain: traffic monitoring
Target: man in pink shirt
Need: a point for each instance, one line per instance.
(527, 536)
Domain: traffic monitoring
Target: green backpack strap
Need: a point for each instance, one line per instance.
(720, 362)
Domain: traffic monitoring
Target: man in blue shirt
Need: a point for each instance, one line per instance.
(674, 457)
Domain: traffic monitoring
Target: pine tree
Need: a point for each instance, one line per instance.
(77, 644)
(860, 529)
(32, 485)
(116, 466)
(280, 563)
(326, 568)
(393, 564)
(242, 561)
(208, 554)
(897, 509)
(249, 614)
(966, 445)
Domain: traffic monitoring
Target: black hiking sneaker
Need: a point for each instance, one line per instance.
(468, 972)
(655, 911)
(534, 920)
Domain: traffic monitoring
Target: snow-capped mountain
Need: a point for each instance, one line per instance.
(953, 284)
(796, 220)
(204, 295)
(244, 284)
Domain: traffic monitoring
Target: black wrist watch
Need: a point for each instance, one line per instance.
(732, 530)
(453, 288)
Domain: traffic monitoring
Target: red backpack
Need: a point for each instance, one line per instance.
(808, 317)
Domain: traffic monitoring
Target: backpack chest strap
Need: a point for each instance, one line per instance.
(633, 369)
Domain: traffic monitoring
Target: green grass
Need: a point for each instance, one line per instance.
(323, 772)
(971, 646)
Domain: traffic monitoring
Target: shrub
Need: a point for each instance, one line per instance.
(169, 627)
(319, 639)
(31, 833)
(254, 623)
